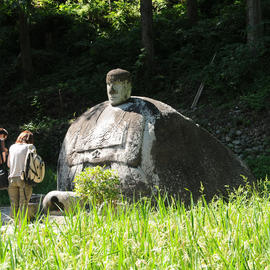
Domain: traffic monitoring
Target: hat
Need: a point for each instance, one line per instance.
(118, 75)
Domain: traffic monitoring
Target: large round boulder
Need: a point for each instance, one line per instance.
(150, 145)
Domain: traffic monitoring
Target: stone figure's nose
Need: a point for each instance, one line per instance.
(112, 90)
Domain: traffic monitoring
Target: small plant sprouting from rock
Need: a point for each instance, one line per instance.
(98, 183)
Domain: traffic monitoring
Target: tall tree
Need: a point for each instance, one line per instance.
(192, 11)
(147, 34)
(254, 21)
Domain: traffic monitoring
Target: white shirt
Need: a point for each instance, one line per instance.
(16, 158)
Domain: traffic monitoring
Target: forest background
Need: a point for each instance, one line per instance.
(55, 56)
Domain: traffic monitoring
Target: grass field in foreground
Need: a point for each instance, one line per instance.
(231, 234)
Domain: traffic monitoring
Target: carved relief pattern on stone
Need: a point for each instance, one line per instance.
(107, 134)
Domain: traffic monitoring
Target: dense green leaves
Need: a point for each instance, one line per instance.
(98, 184)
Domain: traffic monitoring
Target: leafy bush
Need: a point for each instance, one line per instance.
(123, 14)
(232, 70)
(260, 166)
(4, 199)
(259, 96)
(97, 183)
(48, 184)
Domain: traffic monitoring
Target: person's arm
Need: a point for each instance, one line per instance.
(5, 154)
(8, 162)
(4, 151)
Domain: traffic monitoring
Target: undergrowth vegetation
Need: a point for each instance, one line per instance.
(225, 233)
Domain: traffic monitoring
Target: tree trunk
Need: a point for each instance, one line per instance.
(26, 57)
(192, 11)
(254, 21)
(147, 34)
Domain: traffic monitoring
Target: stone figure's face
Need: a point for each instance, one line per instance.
(118, 92)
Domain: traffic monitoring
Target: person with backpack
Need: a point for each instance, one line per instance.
(19, 190)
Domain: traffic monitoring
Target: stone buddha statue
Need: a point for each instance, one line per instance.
(148, 143)
(111, 134)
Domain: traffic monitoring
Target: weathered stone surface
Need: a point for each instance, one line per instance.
(149, 144)
(58, 201)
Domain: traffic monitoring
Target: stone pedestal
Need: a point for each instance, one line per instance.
(58, 202)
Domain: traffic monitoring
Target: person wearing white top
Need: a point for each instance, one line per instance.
(18, 190)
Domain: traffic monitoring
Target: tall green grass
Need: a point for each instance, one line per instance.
(221, 234)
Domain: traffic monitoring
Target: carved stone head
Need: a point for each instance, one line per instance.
(118, 86)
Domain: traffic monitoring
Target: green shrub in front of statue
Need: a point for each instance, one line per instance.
(98, 183)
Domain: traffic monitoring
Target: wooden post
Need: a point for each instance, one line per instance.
(199, 92)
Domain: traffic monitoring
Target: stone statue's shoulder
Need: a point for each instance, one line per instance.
(95, 110)
(92, 112)
(153, 103)
(90, 116)
(164, 109)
